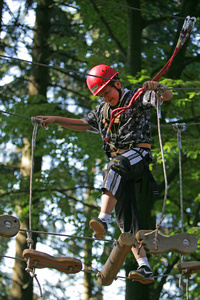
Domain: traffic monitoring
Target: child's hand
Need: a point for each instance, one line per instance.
(150, 85)
(46, 120)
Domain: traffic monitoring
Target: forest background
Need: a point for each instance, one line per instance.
(64, 40)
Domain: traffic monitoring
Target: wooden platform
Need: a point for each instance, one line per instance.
(182, 243)
(9, 226)
(41, 260)
(189, 267)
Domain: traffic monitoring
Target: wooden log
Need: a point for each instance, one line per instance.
(117, 257)
(42, 260)
(182, 243)
(189, 267)
(9, 226)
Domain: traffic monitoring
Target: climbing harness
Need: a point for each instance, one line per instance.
(107, 111)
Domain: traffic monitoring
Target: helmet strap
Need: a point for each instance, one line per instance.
(119, 91)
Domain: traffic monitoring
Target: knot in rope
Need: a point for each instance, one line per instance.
(36, 120)
(31, 272)
(179, 128)
(29, 242)
(161, 89)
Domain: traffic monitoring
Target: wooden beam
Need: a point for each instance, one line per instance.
(117, 257)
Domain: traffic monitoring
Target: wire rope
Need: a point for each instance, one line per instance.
(68, 123)
(87, 271)
(67, 235)
(65, 70)
(142, 10)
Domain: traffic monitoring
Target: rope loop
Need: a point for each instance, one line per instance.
(179, 128)
(36, 120)
(31, 272)
(161, 89)
(29, 242)
(163, 160)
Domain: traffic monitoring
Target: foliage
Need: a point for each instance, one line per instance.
(82, 34)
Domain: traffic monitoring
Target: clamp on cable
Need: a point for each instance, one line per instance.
(189, 23)
(161, 89)
(188, 26)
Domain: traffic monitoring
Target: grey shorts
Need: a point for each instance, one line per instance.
(119, 178)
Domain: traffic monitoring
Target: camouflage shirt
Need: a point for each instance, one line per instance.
(134, 123)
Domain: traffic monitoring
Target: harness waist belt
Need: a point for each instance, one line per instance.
(139, 145)
(143, 145)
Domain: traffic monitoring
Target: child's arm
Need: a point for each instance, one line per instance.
(74, 124)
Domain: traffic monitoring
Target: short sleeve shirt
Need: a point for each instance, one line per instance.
(134, 124)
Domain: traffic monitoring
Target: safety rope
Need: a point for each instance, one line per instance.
(140, 9)
(179, 128)
(184, 34)
(64, 70)
(87, 271)
(36, 123)
(12, 114)
(161, 91)
(68, 235)
(80, 124)
(96, 272)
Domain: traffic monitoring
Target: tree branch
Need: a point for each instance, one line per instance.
(105, 24)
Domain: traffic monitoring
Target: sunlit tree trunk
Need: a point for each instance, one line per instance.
(22, 285)
(88, 278)
(1, 9)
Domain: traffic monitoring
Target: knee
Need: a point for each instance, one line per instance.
(120, 165)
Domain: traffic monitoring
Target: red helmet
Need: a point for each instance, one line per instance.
(96, 83)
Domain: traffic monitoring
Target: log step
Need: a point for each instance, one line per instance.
(116, 258)
(41, 260)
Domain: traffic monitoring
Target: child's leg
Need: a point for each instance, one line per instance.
(108, 202)
(99, 225)
(140, 257)
(143, 273)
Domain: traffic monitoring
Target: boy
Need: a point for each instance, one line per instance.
(128, 150)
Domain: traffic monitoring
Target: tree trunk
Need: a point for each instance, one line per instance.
(134, 38)
(87, 276)
(22, 285)
(88, 283)
(136, 290)
(1, 10)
